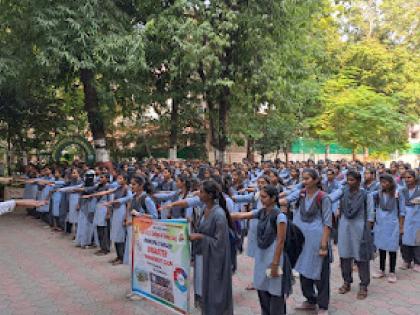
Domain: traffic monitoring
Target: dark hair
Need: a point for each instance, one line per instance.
(147, 185)
(356, 175)
(372, 171)
(314, 175)
(390, 179)
(227, 184)
(124, 176)
(330, 170)
(272, 192)
(214, 190)
(265, 178)
(413, 174)
(187, 181)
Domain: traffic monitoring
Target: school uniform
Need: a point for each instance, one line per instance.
(410, 248)
(71, 200)
(56, 198)
(329, 187)
(254, 200)
(356, 210)
(150, 209)
(100, 222)
(175, 212)
(118, 229)
(387, 227)
(44, 194)
(166, 186)
(270, 290)
(314, 270)
(85, 228)
(30, 192)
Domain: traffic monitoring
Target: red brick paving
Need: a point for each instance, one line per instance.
(41, 272)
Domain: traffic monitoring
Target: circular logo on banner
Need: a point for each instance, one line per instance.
(180, 277)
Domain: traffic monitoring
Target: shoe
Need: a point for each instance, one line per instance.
(392, 278)
(378, 275)
(117, 262)
(136, 297)
(362, 294)
(306, 306)
(101, 253)
(346, 287)
(322, 312)
(113, 260)
(129, 295)
(405, 266)
(416, 268)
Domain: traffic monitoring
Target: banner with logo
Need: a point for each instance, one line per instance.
(161, 262)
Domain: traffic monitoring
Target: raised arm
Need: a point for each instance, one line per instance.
(237, 216)
(165, 196)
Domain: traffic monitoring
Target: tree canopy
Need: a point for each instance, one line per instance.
(260, 73)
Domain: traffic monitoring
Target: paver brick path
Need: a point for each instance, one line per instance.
(41, 272)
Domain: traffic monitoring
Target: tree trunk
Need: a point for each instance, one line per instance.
(223, 111)
(353, 154)
(95, 119)
(9, 152)
(174, 130)
(250, 150)
(286, 154)
(365, 154)
(327, 151)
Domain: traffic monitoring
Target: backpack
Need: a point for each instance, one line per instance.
(319, 197)
(294, 241)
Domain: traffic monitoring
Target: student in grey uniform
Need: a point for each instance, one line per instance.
(387, 225)
(313, 216)
(168, 184)
(140, 204)
(71, 199)
(255, 201)
(410, 248)
(354, 237)
(56, 197)
(102, 195)
(212, 253)
(121, 196)
(31, 188)
(183, 185)
(269, 257)
(44, 193)
(84, 234)
(370, 184)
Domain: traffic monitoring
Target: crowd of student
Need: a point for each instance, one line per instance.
(290, 213)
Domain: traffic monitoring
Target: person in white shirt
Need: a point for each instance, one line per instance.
(10, 205)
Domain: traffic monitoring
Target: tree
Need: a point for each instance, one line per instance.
(93, 43)
(359, 118)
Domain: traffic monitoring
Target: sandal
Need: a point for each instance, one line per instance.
(117, 262)
(344, 288)
(250, 287)
(362, 294)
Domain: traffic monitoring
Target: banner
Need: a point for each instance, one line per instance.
(161, 262)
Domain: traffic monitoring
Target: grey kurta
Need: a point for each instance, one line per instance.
(216, 271)
(263, 260)
(309, 263)
(350, 231)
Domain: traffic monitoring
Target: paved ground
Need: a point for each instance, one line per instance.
(41, 272)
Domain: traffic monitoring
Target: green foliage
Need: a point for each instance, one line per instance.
(358, 117)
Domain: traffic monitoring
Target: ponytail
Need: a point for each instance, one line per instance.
(222, 204)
